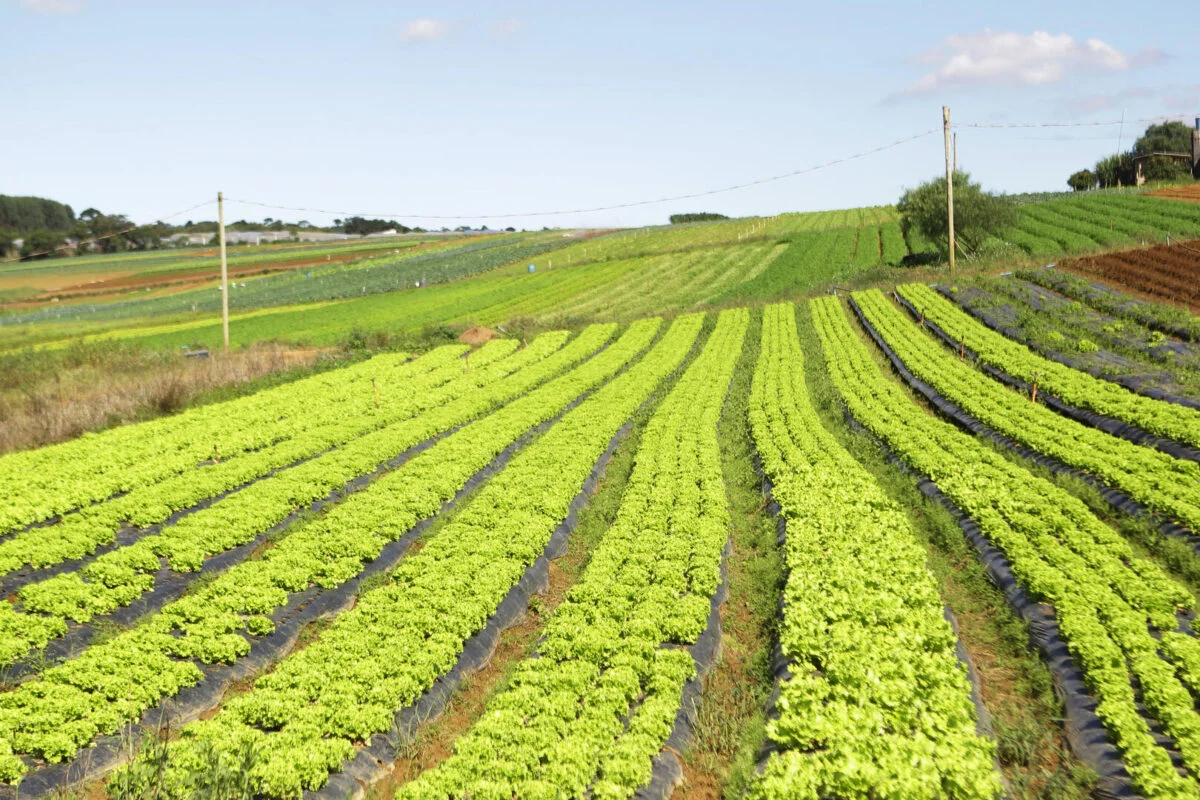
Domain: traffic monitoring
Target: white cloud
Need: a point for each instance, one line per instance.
(53, 6)
(424, 30)
(506, 27)
(1016, 59)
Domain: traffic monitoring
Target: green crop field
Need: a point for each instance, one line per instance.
(756, 508)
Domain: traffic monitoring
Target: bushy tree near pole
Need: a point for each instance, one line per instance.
(977, 214)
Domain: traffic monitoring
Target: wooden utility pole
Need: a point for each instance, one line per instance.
(224, 269)
(956, 151)
(949, 184)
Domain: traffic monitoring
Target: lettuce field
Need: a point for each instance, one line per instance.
(750, 511)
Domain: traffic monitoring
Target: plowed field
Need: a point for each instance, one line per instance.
(1190, 193)
(1162, 273)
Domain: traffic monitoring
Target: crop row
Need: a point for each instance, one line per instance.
(117, 578)
(39, 484)
(303, 719)
(1082, 223)
(876, 685)
(79, 533)
(1074, 387)
(1161, 482)
(1109, 602)
(387, 274)
(1169, 319)
(115, 681)
(588, 714)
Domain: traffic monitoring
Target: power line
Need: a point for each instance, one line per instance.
(632, 204)
(105, 236)
(1069, 124)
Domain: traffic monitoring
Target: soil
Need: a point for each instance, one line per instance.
(102, 285)
(1162, 273)
(476, 336)
(1189, 194)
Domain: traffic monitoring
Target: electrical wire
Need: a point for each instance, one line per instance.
(1068, 124)
(757, 182)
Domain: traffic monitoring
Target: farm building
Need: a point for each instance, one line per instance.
(1192, 158)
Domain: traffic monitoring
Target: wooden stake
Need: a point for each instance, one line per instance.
(962, 349)
(216, 455)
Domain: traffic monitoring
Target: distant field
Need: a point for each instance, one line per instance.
(577, 277)
(618, 276)
(1094, 221)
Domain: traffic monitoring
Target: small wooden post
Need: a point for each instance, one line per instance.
(216, 455)
(375, 389)
(962, 349)
(1033, 392)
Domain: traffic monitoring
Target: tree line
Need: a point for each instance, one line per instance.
(1120, 169)
(46, 228)
(703, 216)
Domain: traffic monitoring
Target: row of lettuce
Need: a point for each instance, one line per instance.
(1176, 422)
(1157, 480)
(126, 573)
(304, 718)
(336, 415)
(588, 714)
(1113, 605)
(878, 704)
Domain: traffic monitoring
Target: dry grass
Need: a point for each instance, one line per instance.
(49, 397)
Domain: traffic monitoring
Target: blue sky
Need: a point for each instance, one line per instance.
(460, 108)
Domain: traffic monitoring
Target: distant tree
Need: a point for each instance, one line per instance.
(977, 214)
(27, 214)
(1166, 137)
(1116, 170)
(6, 243)
(113, 232)
(362, 226)
(41, 244)
(704, 216)
(1082, 181)
(510, 229)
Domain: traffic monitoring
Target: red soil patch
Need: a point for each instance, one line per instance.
(477, 336)
(1166, 274)
(1190, 194)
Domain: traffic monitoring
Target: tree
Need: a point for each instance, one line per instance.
(41, 244)
(977, 214)
(1166, 137)
(362, 226)
(1082, 181)
(25, 214)
(703, 216)
(1116, 170)
(6, 243)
